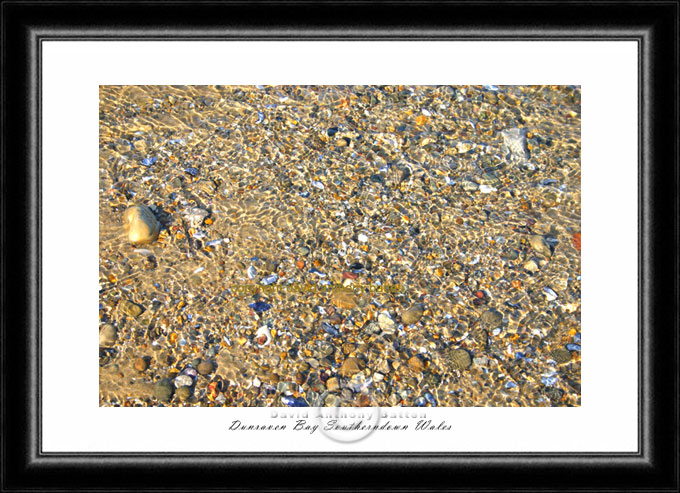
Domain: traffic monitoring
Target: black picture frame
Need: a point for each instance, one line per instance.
(654, 25)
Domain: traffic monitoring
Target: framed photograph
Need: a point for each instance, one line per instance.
(338, 246)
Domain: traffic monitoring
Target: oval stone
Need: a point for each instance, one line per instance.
(141, 225)
(107, 335)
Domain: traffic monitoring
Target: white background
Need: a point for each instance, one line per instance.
(72, 72)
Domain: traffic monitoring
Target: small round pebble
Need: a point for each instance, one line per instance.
(184, 381)
(184, 393)
(130, 308)
(141, 364)
(206, 367)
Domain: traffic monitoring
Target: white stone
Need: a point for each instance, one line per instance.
(184, 381)
(263, 331)
(386, 323)
(531, 265)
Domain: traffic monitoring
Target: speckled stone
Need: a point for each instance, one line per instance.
(561, 355)
(458, 359)
(492, 319)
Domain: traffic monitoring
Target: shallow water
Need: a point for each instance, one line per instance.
(417, 184)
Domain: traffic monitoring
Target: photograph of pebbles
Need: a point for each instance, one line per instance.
(340, 246)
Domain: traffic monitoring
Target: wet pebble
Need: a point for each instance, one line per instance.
(195, 216)
(531, 266)
(540, 245)
(415, 363)
(330, 329)
(413, 314)
(351, 366)
(458, 359)
(561, 356)
(260, 306)
(332, 400)
(206, 367)
(184, 393)
(141, 364)
(163, 390)
(332, 384)
(345, 299)
(141, 225)
(183, 381)
(130, 308)
(515, 144)
(386, 323)
(291, 401)
(492, 319)
(107, 335)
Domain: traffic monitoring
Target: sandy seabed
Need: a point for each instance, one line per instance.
(341, 246)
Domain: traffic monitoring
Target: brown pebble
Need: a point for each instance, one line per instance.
(300, 378)
(141, 364)
(416, 364)
(206, 367)
(332, 384)
(351, 366)
(344, 299)
(413, 314)
(130, 308)
(184, 393)
(363, 401)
